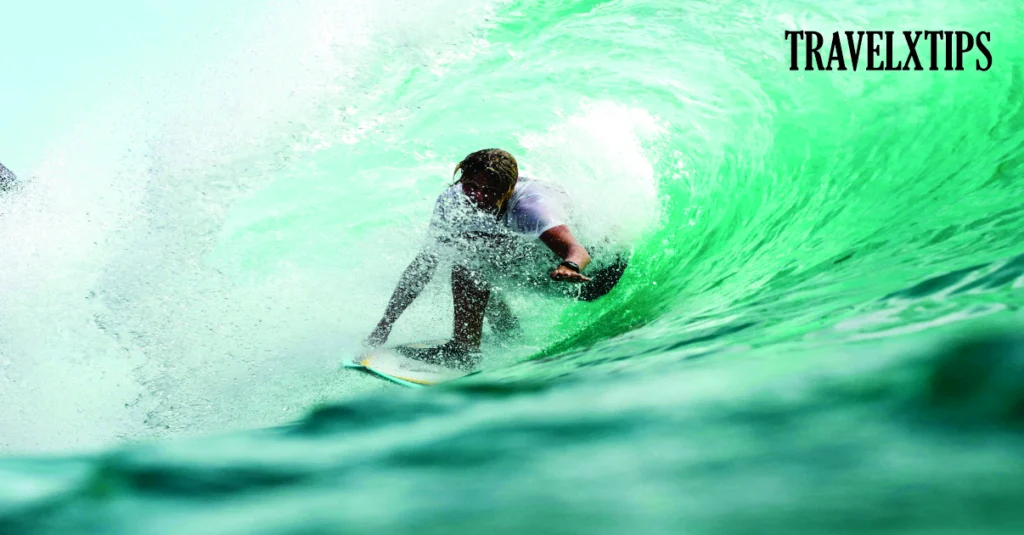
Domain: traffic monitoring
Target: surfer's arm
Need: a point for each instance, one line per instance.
(414, 279)
(561, 241)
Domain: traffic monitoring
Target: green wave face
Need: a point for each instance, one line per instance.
(764, 205)
(229, 224)
(255, 181)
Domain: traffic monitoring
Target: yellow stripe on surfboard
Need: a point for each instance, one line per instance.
(366, 364)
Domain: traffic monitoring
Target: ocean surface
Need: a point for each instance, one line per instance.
(820, 330)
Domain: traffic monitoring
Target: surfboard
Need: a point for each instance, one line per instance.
(398, 364)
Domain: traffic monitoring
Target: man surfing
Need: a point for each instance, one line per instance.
(494, 224)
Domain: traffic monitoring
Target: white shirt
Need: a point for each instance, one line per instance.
(534, 208)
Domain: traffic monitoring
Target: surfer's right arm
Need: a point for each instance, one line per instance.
(413, 280)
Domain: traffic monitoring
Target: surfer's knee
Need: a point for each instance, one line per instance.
(469, 278)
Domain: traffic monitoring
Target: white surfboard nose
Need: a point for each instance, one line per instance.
(391, 364)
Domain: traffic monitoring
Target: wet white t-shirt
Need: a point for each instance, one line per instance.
(534, 208)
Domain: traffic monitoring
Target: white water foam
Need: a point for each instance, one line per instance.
(600, 155)
(112, 326)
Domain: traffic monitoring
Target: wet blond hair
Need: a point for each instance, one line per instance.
(500, 168)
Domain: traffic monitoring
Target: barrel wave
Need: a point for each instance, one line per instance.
(819, 329)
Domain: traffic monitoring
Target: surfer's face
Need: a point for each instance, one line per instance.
(483, 194)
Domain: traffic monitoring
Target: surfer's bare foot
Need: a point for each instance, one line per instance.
(451, 355)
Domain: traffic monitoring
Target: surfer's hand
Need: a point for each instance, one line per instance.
(562, 273)
(379, 336)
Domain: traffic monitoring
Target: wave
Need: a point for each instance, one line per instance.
(225, 229)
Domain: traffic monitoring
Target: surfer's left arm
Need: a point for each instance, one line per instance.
(561, 241)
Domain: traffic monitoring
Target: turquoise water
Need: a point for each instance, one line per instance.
(819, 330)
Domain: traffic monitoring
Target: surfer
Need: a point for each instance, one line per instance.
(490, 224)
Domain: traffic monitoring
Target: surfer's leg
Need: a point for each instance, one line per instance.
(501, 318)
(470, 293)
